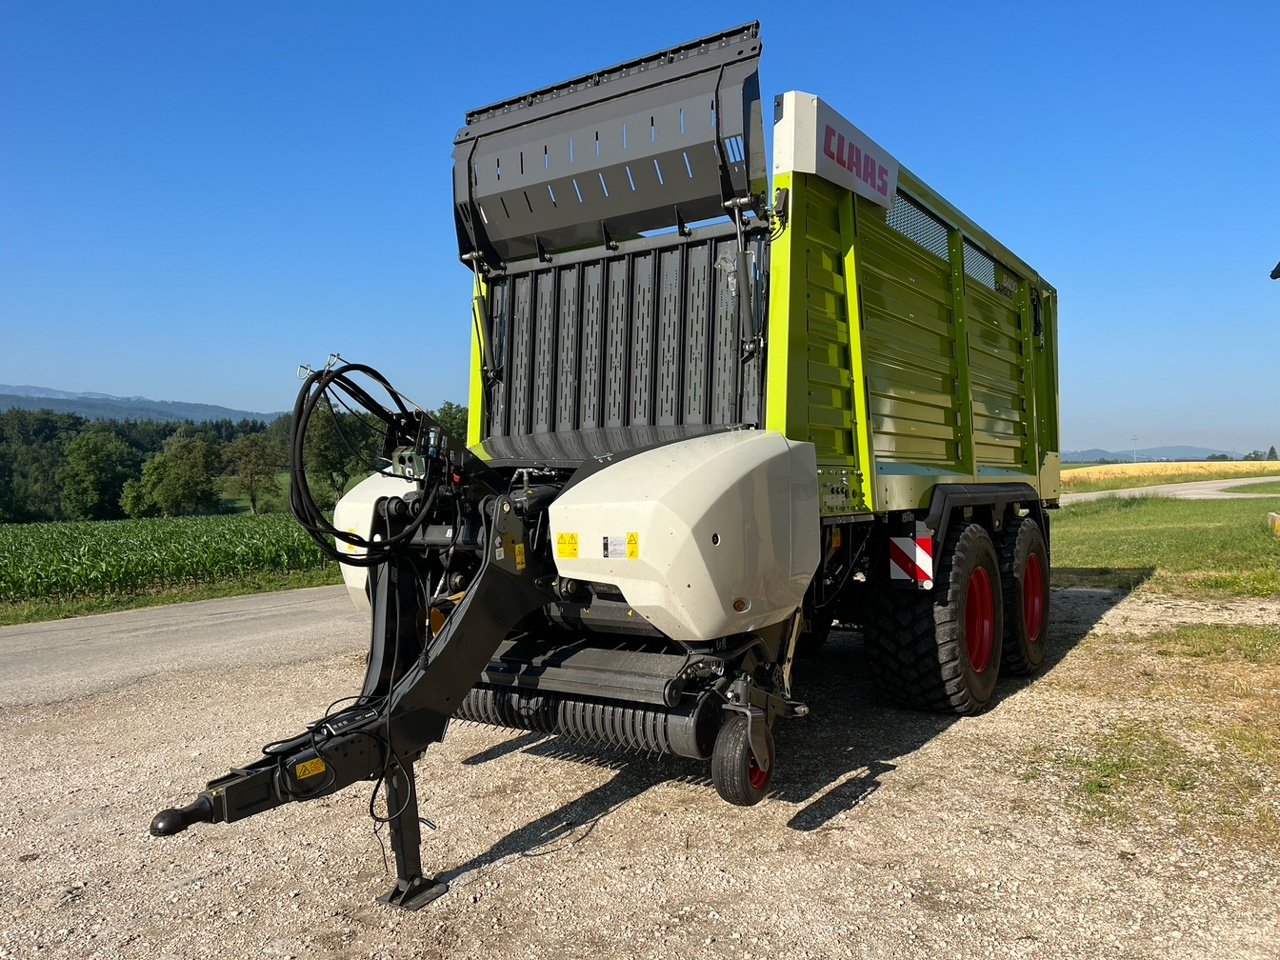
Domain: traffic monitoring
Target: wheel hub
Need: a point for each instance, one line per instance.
(979, 620)
(1033, 598)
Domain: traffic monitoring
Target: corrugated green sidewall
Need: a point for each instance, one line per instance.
(898, 365)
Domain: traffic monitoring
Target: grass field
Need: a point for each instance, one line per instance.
(1207, 548)
(1188, 738)
(1118, 476)
(1272, 487)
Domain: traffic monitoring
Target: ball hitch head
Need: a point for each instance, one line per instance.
(176, 819)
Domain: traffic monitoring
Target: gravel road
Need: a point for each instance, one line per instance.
(889, 834)
(62, 659)
(1189, 490)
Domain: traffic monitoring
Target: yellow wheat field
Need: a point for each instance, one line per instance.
(1213, 470)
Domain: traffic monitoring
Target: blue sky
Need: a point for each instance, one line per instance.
(197, 196)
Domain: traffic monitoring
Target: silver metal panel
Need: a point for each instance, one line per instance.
(592, 371)
(642, 328)
(631, 148)
(644, 336)
(520, 385)
(567, 348)
(670, 347)
(698, 335)
(544, 345)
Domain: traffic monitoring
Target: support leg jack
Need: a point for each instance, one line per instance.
(412, 891)
(414, 894)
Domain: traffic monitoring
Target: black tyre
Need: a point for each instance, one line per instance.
(940, 650)
(1024, 579)
(734, 771)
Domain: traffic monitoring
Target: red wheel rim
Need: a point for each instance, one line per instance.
(979, 620)
(755, 776)
(1033, 597)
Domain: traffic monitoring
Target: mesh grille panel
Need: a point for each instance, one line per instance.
(979, 266)
(918, 225)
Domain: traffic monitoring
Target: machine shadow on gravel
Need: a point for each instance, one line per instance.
(833, 770)
(574, 821)
(835, 758)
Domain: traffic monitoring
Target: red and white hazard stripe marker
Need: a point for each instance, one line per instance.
(911, 558)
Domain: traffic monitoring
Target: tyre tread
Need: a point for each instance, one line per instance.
(1015, 657)
(729, 770)
(913, 640)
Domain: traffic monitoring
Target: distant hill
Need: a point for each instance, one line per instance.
(103, 406)
(1145, 455)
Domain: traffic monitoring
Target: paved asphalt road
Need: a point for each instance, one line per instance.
(1196, 490)
(63, 659)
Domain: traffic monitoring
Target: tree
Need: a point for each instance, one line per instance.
(253, 465)
(1255, 455)
(1271, 454)
(147, 437)
(218, 432)
(95, 468)
(178, 480)
(339, 448)
(279, 432)
(32, 443)
(133, 498)
(1218, 456)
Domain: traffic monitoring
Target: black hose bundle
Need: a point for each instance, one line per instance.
(403, 428)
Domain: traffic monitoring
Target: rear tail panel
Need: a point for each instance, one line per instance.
(645, 341)
(611, 321)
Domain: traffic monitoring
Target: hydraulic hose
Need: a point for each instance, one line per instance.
(302, 503)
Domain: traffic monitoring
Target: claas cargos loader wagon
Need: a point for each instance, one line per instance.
(713, 412)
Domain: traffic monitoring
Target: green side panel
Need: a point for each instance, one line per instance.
(998, 381)
(1045, 366)
(913, 375)
(814, 356)
(961, 374)
(909, 347)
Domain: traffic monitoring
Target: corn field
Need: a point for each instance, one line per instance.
(45, 561)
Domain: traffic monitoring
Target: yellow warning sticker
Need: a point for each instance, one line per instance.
(567, 546)
(351, 547)
(519, 551)
(633, 546)
(309, 768)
